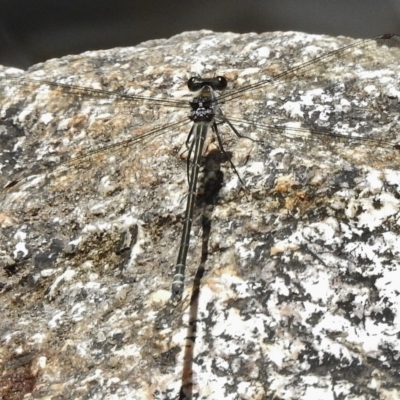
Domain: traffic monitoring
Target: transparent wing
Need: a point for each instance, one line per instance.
(358, 53)
(101, 136)
(75, 168)
(347, 98)
(122, 98)
(63, 124)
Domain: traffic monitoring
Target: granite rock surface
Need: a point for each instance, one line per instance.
(299, 296)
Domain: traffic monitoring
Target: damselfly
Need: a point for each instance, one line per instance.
(337, 100)
(303, 255)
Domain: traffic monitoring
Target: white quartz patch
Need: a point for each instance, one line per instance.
(20, 248)
(66, 276)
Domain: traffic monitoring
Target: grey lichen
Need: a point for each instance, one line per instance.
(299, 299)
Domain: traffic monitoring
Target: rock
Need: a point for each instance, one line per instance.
(299, 297)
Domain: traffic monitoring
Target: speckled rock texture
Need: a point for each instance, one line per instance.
(297, 294)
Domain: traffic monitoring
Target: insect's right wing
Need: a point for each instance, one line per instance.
(346, 99)
(355, 55)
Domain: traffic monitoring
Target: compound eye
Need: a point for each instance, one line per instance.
(194, 84)
(222, 82)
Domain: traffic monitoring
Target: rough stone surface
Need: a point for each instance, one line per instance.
(300, 296)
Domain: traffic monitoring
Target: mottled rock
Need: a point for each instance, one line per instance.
(299, 297)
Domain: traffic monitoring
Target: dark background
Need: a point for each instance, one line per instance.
(35, 30)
